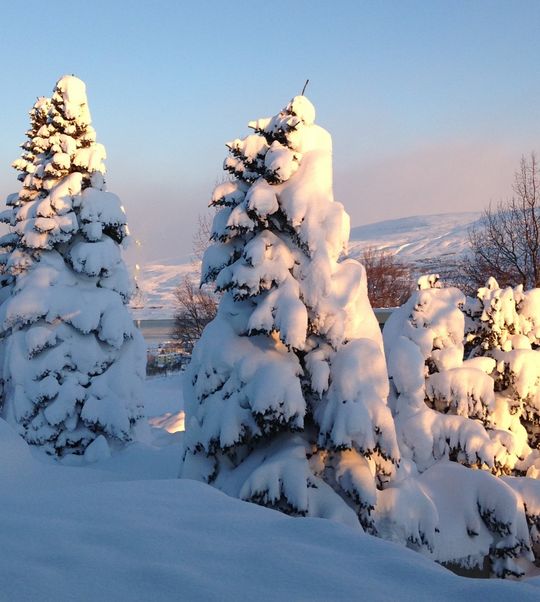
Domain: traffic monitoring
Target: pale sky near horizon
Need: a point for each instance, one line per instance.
(430, 104)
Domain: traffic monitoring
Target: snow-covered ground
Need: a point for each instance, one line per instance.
(427, 241)
(127, 529)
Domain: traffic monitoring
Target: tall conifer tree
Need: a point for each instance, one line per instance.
(73, 360)
(286, 391)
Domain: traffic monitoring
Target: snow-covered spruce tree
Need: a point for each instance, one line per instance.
(502, 329)
(286, 391)
(8, 242)
(446, 408)
(424, 341)
(73, 360)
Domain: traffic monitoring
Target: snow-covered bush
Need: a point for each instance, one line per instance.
(286, 391)
(502, 325)
(441, 402)
(464, 386)
(73, 362)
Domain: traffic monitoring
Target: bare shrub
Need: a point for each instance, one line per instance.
(506, 242)
(389, 281)
(195, 306)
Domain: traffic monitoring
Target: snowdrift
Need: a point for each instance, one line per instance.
(179, 539)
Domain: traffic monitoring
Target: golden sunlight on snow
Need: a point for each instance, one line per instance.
(172, 423)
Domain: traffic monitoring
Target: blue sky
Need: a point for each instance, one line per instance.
(430, 104)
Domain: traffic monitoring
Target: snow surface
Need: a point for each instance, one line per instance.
(127, 529)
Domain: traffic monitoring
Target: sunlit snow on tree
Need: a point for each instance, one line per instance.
(286, 391)
(74, 361)
(465, 388)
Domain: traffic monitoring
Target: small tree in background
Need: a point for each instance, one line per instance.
(201, 238)
(506, 243)
(389, 281)
(74, 361)
(196, 305)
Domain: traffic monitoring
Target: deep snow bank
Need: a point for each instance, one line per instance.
(106, 531)
(178, 539)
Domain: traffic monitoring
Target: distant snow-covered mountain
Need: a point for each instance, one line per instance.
(418, 237)
(157, 282)
(428, 242)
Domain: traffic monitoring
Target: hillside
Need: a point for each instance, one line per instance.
(429, 242)
(417, 237)
(157, 282)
